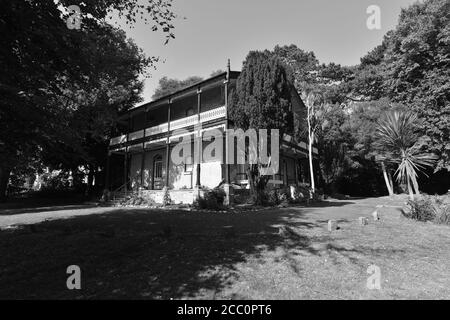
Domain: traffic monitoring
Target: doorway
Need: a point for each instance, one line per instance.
(157, 178)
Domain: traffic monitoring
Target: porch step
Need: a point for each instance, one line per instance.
(119, 197)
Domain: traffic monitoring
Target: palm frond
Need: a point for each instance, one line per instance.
(399, 143)
(396, 130)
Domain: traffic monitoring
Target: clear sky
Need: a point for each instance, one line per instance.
(209, 32)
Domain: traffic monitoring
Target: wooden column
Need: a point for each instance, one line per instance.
(296, 170)
(143, 152)
(125, 170)
(166, 184)
(107, 169)
(286, 177)
(227, 166)
(199, 132)
(306, 177)
(126, 155)
(143, 165)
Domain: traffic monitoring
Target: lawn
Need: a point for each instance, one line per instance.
(282, 253)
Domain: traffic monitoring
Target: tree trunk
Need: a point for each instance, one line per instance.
(386, 179)
(251, 183)
(415, 186)
(311, 168)
(391, 182)
(257, 184)
(90, 180)
(4, 178)
(410, 189)
(310, 110)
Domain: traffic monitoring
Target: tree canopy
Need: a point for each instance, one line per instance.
(262, 98)
(60, 88)
(412, 66)
(409, 70)
(167, 85)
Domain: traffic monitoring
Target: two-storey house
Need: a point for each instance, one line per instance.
(139, 156)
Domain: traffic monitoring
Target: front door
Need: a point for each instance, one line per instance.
(157, 180)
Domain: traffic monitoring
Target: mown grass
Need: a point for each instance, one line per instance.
(272, 254)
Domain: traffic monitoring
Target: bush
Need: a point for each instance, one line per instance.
(54, 184)
(219, 194)
(276, 197)
(300, 194)
(429, 208)
(420, 209)
(285, 197)
(442, 209)
(211, 199)
(167, 200)
(137, 200)
(338, 196)
(273, 197)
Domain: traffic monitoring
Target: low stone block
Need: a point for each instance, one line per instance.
(375, 215)
(332, 225)
(363, 221)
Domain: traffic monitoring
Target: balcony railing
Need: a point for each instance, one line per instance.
(206, 116)
(212, 114)
(118, 140)
(183, 122)
(156, 129)
(136, 135)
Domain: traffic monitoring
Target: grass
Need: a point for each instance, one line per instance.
(272, 254)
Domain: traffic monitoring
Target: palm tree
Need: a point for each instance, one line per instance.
(400, 144)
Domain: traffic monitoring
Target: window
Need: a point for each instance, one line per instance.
(189, 112)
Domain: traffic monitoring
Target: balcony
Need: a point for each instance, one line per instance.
(210, 115)
(118, 140)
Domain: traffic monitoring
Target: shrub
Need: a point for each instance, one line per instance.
(242, 196)
(305, 190)
(273, 197)
(137, 200)
(167, 200)
(55, 183)
(300, 194)
(219, 194)
(338, 196)
(285, 197)
(442, 209)
(318, 195)
(420, 209)
(428, 208)
(211, 199)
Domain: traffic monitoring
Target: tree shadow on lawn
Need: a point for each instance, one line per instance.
(16, 211)
(144, 253)
(325, 204)
(34, 200)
